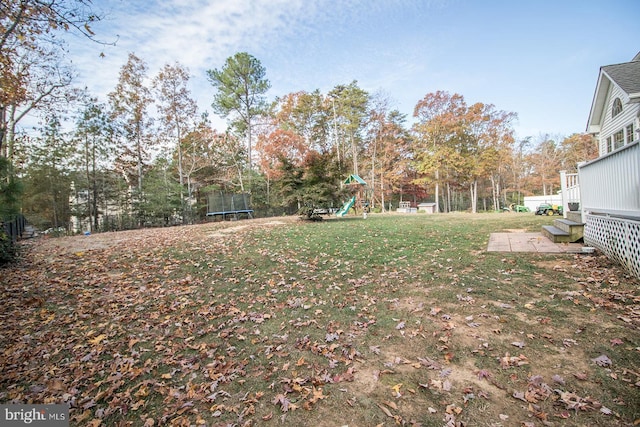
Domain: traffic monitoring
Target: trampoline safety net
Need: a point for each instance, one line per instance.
(220, 203)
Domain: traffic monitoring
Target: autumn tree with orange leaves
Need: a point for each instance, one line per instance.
(386, 149)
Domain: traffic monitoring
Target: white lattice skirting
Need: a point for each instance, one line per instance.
(617, 238)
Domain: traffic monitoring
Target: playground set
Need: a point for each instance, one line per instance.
(359, 190)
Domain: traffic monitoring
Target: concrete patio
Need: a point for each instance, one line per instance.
(528, 242)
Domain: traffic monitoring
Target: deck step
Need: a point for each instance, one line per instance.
(555, 234)
(575, 229)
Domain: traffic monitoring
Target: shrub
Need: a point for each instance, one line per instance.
(7, 248)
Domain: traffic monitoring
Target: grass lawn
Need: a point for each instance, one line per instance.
(393, 320)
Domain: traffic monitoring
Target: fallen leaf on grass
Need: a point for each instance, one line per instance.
(483, 373)
(98, 339)
(385, 410)
(519, 395)
(509, 361)
(445, 372)
(582, 376)
(316, 395)
(331, 337)
(391, 405)
(396, 388)
(467, 397)
(453, 409)
(625, 319)
(575, 402)
(606, 410)
(285, 404)
(602, 360)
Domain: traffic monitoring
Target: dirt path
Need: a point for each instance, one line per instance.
(45, 246)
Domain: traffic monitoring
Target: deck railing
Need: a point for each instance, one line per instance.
(570, 191)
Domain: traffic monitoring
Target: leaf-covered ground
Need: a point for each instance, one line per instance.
(393, 320)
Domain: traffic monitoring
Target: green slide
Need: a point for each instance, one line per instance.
(345, 208)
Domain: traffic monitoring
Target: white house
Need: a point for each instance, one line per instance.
(614, 118)
(609, 186)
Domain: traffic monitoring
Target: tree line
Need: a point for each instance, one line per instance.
(147, 156)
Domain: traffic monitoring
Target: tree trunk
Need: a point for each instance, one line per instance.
(373, 174)
(240, 177)
(354, 153)
(139, 160)
(10, 132)
(382, 193)
(95, 188)
(180, 172)
(3, 129)
(437, 191)
(474, 195)
(89, 192)
(495, 192)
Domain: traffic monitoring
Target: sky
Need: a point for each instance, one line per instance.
(537, 58)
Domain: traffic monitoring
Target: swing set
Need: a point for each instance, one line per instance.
(360, 196)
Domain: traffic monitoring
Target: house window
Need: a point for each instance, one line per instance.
(609, 145)
(630, 137)
(618, 139)
(617, 107)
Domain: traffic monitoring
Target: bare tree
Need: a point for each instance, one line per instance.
(130, 102)
(177, 112)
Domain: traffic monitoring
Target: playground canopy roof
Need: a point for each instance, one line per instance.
(354, 179)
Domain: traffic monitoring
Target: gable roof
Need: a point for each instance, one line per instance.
(626, 76)
(354, 179)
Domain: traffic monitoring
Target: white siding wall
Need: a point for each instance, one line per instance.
(619, 122)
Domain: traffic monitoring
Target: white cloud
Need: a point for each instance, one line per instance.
(198, 34)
